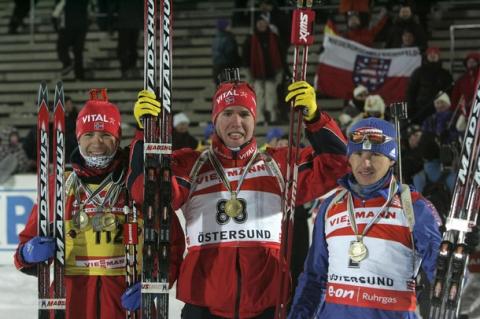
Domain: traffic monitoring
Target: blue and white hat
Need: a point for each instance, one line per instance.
(373, 135)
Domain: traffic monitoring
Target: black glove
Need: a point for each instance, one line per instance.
(472, 239)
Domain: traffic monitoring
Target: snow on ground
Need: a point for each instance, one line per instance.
(18, 295)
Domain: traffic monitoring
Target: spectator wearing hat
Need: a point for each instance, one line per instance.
(353, 238)
(94, 215)
(425, 82)
(181, 137)
(232, 201)
(374, 107)
(224, 50)
(441, 123)
(279, 23)
(262, 56)
(465, 84)
(354, 107)
(357, 103)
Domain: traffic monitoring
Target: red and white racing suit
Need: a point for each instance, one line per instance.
(232, 265)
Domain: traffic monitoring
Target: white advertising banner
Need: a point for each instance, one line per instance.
(17, 196)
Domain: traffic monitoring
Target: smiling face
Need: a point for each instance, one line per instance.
(369, 167)
(235, 126)
(98, 144)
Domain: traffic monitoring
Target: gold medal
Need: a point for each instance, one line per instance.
(357, 251)
(233, 207)
(80, 220)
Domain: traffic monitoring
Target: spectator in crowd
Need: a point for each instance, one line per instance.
(412, 161)
(354, 107)
(356, 104)
(261, 53)
(362, 33)
(360, 6)
(279, 23)
(224, 50)
(405, 20)
(408, 39)
(426, 81)
(12, 155)
(70, 19)
(374, 107)
(441, 123)
(181, 137)
(465, 84)
(20, 11)
(425, 181)
(130, 22)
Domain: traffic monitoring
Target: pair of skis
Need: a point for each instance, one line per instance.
(453, 256)
(46, 303)
(303, 18)
(157, 209)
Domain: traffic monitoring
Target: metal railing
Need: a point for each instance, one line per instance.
(452, 39)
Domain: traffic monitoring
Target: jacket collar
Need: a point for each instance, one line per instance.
(242, 154)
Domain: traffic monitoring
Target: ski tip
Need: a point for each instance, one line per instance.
(42, 93)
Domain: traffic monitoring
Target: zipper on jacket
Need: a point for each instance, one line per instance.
(239, 287)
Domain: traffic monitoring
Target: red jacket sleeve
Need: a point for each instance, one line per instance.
(322, 163)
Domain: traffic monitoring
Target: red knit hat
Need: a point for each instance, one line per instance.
(432, 50)
(99, 115)
(234, 94)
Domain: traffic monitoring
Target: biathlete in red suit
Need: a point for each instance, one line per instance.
(94, 257)
(230, 196)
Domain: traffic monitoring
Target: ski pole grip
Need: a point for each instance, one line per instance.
(302, 26)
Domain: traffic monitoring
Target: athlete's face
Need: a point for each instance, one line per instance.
(235, 126)
(98, 144)
(369, 167)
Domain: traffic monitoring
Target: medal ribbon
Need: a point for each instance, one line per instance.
(351, 214)
(221, 172)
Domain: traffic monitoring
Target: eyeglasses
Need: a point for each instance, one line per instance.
(374, 137)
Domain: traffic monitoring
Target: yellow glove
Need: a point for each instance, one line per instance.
(304, 96)
(146, 104)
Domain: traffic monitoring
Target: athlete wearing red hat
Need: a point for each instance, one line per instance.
(231, 197)
(94, 214)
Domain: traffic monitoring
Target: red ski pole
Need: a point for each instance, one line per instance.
(303, 18)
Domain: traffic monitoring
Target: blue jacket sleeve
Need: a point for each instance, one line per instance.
(426, 235)
(313, 280)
